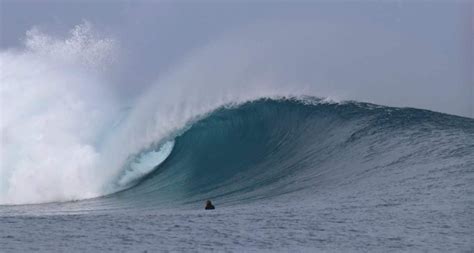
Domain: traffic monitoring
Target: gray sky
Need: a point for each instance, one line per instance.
(401, 53)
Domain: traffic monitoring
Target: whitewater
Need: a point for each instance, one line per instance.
(83, 169)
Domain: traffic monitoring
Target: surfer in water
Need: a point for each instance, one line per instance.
(209, 205)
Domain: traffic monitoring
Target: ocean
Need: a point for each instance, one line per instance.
(285, 174)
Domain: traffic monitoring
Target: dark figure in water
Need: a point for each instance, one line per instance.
(209, 205)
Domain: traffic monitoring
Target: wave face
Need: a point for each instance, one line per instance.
(286, 151)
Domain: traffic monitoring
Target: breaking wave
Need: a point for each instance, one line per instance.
(66, 136)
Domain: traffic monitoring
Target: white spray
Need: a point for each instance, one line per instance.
(54, 106)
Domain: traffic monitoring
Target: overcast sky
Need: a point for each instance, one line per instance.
(398, 53)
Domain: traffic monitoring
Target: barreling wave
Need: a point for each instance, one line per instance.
(270, 148)
(299, 150)
(200, 132)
